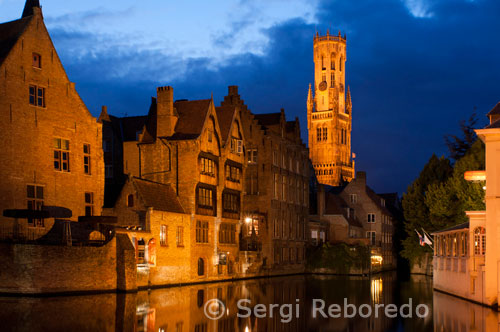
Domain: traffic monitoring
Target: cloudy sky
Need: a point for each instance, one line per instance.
(415, 67)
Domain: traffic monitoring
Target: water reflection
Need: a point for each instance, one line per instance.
(456, 315)
(181, 309)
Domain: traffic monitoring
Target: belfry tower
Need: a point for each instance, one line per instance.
(329, 112)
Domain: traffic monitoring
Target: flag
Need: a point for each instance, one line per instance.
(427, 240)
(421, 239)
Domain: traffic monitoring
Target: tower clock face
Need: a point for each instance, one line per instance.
(322, 86)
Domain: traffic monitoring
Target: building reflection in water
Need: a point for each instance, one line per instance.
(452, 314)
(181, 309)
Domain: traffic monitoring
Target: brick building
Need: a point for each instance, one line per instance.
(332, 220)
(377, 221)
(276, 199)
(198, 152)
(51, 153)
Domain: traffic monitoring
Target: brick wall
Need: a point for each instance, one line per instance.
(54, 269)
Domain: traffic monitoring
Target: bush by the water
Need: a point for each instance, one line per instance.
(341, 258)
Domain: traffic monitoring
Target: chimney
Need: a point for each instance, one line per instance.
(361, 177)
(233, 90)
(166, 115)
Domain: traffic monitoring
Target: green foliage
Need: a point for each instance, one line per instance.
(339, 257)
(440, 196)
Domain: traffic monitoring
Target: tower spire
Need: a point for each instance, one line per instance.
(309, 98)
(28, 7)
(348, 102)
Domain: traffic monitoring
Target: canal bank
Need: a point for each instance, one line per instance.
(182, 308)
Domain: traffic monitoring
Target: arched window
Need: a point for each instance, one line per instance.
(340, 63)
(130, 200)
(318, 134)
(325, 134)
(201, 266)
(479, 241)
(332, 61)
(323, 62)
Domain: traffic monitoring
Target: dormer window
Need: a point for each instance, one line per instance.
(37, 61)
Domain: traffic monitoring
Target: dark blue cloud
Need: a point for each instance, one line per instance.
(412, 79)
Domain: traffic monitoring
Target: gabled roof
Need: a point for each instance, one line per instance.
(225, 116)
(158, 196)
(192, 115)
(377, 200)
(335, 205)
(9, 35)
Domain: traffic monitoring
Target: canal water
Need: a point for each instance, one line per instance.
(297, 303)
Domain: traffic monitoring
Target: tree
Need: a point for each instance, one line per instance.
(440, 196)
(458, 146)
(416, 212)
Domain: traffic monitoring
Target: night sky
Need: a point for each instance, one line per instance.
(415, 67)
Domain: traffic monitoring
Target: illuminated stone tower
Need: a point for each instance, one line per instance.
(329, 112)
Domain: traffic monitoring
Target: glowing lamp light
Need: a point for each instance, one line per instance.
(248, 220)
(475, 176)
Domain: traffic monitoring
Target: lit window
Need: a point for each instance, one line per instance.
(252, 156)
(207, 166)
(89, 204)
(37, 96)
(163, 235)
(201, 231)
(480, 241)
(231, 202)
(86, 158)
(61, 154)
(233, 173)
(227, 233)
(37, 60)
(35, 202)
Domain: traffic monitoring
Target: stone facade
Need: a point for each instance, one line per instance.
(51, 153)
(276, 199)
(333, 220)
(376, 219)
(329, 113)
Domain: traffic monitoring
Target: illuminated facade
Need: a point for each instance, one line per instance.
(466, 259)
(276, 194)
(329, 113)
(51, 155)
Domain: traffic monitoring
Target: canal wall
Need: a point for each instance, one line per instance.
(47, 269)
